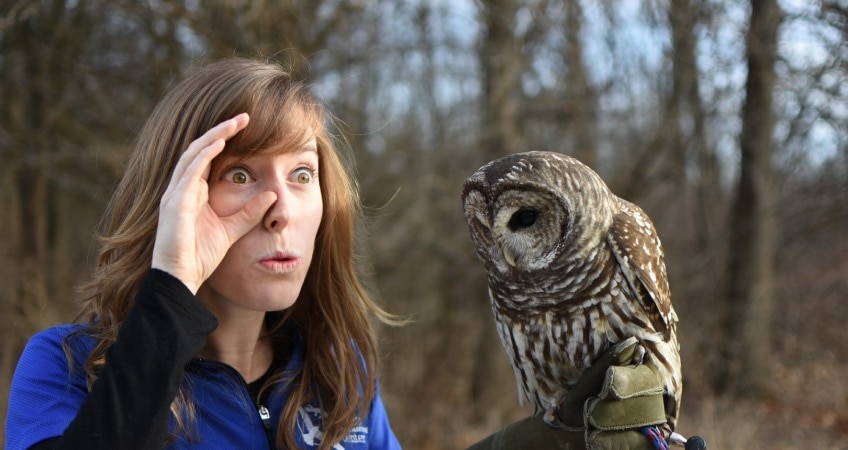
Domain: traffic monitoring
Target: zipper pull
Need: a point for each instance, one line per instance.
(265, 415)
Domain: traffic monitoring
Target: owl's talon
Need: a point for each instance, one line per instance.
(639, 354)
(550, 417)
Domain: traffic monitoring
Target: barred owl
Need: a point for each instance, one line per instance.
(572, 269)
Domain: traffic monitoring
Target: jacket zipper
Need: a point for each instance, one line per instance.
(264, 413)
(265, 416)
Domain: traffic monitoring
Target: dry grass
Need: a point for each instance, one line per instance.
(809, 410)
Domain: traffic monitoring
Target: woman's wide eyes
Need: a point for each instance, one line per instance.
(240, 175)
(237, 175)
(304, 175)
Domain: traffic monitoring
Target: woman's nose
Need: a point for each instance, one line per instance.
(278, 214)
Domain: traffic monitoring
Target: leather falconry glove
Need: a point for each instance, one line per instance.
(605, 410)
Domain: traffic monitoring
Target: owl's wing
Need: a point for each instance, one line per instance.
(640, 256)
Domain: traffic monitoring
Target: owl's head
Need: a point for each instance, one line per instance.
(527, 211)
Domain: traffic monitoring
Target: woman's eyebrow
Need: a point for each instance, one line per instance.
(311, 146)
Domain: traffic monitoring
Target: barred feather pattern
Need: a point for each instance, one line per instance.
(572, 269)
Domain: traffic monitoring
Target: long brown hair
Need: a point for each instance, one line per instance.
(333, 311)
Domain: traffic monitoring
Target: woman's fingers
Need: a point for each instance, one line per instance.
(191, 239)
(221, 132)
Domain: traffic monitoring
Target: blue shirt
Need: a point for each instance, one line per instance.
(151, 360)
(45, 396)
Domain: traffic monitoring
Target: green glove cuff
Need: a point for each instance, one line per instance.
(622, 382)
(631, 397)
(613, 415)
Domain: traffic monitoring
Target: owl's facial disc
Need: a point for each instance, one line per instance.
(526, 228)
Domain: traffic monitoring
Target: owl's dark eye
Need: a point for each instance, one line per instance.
(523, 218)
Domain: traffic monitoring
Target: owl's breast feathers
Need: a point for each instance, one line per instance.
(568, 284)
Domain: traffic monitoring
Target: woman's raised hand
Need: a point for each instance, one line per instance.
(191, 240)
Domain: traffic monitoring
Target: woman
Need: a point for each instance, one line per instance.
(225, 310)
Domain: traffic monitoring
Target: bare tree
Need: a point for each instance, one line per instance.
(292, 30)
(48, 182)
(750, 294)
(581, 97)
(502, 64)
(688, 140)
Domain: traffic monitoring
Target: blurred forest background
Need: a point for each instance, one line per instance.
(727, 121)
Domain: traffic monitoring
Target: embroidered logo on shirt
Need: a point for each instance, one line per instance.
(309, 423)
(358, 435)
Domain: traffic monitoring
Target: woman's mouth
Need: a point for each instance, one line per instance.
(280, 263)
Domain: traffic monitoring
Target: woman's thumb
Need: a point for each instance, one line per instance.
(249, 216)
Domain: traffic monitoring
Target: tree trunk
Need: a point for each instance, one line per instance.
(581, 98)
(753, 220)
(693, 163)
(502, 64)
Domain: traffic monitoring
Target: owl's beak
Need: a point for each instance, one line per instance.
(509, 256)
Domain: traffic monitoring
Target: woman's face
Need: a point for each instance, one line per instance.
(265, 269)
